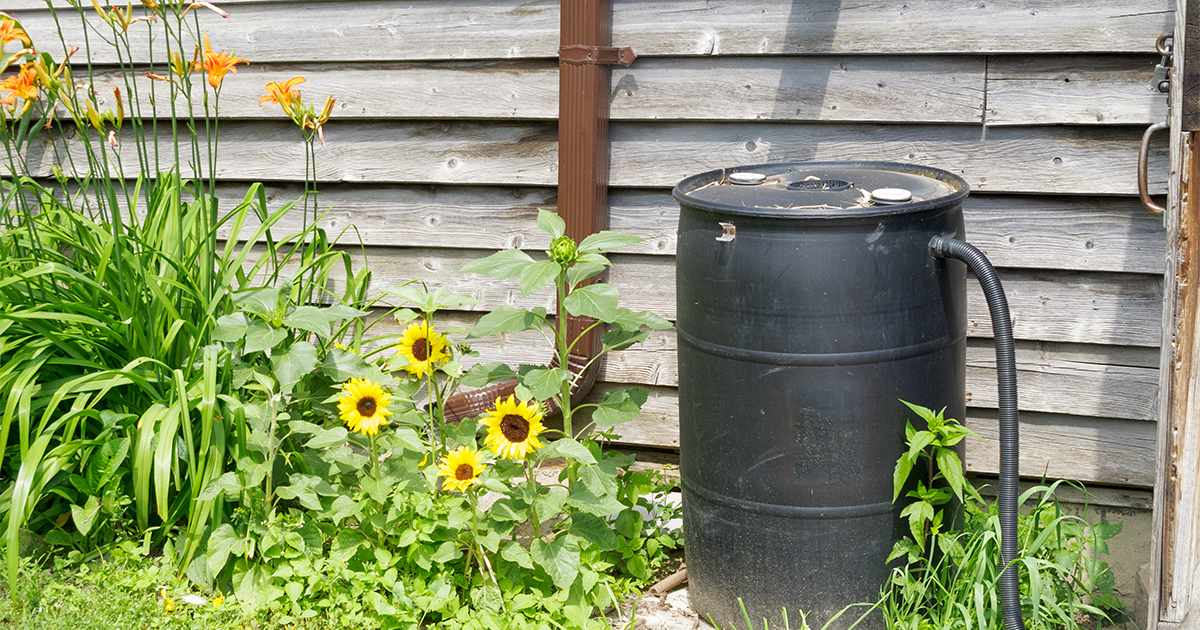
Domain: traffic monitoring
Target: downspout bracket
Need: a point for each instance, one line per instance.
(580, 55)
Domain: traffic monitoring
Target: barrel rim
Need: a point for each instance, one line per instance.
(682, 191)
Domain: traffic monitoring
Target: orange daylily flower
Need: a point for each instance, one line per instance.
(10, 32)
(217, 64)
(318, 123)
(22, 84)
(282, 93)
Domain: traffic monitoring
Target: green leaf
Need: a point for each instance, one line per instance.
(551, 223)
(229, 483)
(634, 320)
(559, 558)
(620, 406)
(293, 364)
(223, 541)
(345, 544)
(544, 383)
(231, 328)
(628, 524)
(538, 275)
(447, 552)
(484, 373)
(261, 302)
(636, 565)
(505, 319)
(593, 529)
(952, 470)
(85, 516)
(598, 301)
(328, 437)
(261, 336)
(581, 271)
(602, 242)
(315, 320)
(515, 553)
(505, 263)
(105, 461)
(567, 447)
(904, 466)
(341, 366)
(619, 339)
(550, 501)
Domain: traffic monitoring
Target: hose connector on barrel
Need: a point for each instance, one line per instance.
(1006, 383)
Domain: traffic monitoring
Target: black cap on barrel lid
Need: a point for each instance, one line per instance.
(820, 187)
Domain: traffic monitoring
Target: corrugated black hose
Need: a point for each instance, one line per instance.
(1006, 384)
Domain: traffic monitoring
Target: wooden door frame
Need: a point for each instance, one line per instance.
(1174, 588)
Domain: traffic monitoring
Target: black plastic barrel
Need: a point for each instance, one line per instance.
(808, 307)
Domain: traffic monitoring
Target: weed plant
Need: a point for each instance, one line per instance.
(948, 574)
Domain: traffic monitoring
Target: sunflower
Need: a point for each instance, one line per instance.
(461, 468)
(513, 428)
(363, 405)
(424, 349)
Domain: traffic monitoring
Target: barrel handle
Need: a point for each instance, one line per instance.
(1143, 161)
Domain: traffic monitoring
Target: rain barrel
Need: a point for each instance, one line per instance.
(808, 307)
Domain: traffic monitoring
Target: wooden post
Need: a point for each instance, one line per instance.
(1174, 593)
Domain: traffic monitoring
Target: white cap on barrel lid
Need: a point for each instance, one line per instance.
(746, 178)
(891, 195)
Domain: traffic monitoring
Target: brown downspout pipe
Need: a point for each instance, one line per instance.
(583, 88)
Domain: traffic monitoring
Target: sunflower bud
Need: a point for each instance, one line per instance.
(563, 251)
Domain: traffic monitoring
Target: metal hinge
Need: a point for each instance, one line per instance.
(580, 55)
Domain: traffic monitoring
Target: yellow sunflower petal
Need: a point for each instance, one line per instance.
(424, 348)
(513, 428)
(363, 406)
(461, 468)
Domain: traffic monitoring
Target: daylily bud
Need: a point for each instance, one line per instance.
(563, 250)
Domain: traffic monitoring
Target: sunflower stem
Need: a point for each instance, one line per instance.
(374, 459)
(533, 515)
(564, 356)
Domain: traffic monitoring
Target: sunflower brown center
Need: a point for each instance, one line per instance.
(464, 472)
(366, 406)
(420, 349)
(515, 428)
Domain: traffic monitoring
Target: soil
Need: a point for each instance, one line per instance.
(668, 612)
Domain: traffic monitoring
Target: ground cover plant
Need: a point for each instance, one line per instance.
(184, 392)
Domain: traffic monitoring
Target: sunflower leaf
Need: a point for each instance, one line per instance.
(261, 302)
(543, 383)
(538, 275)
(551, 223)
(559, 558)
(505, 263)
(261, 336)
(293, 364)
(312, 319)
(620, 406)
(505, 319)
(567, 447)
(484, 373)
(594, 529)
(231, 328)
(581, 271)
(607, 241)
(598, 301)
(328, 437)
(340, 366)
(634, 320)
(618, 339)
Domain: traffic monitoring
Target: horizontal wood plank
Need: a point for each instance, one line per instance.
(1093, 308)
(1058, 160)
(1091, 450)
(1086, 234)
(376, 30)
(1078, 380)
(1073, 90)
(926, 89)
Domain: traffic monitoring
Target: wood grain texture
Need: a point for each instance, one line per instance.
(1072, 379)
(933, 89)
(1073, 90)
(1069, 233)
(377, 30)
(1058, 160)
(1091, 450)
(1096, 308)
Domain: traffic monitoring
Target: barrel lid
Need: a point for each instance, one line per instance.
(822, 188)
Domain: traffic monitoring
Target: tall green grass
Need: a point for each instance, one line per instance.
(111, 284)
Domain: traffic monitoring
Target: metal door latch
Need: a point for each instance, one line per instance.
(580, 55)
(1162, 72)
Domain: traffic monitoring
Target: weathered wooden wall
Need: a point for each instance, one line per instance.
(443, 144)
